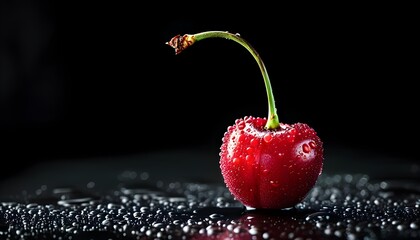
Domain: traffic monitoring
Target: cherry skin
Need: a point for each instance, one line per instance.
(270, 169)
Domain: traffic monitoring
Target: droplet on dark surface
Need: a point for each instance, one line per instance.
(348, 206)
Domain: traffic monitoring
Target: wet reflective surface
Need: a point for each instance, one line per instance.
(140, 206)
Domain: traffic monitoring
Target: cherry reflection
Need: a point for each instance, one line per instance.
(261, 224)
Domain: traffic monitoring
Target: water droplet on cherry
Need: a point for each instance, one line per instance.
(274, 183)
(312, 144)
(241, 125)
(249, 150)
(254, 142)
(306, 148)
(268, 137)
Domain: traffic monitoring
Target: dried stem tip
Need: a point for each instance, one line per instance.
(180, 43)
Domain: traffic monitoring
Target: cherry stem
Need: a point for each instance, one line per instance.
(180, 43)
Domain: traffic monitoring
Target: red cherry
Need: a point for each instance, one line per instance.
(270, 168)
(265, 164)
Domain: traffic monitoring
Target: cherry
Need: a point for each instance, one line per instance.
(265, 164)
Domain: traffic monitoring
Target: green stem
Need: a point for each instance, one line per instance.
(182, 42)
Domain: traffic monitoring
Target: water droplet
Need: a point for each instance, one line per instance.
(75, 201)
(259, 122)
(318, 216)
(240, 124)
(249, 150)
(216, 215)
(275, 183)
(253, 230)
(177, 199)
(306, 148)
(266, 235)
(254, 142)
(268, 137)
(312, 144)
(144, 175)
(90, 185)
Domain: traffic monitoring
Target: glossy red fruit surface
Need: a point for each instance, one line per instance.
(271, 169)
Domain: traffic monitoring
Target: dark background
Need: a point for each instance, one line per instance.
(81, 80)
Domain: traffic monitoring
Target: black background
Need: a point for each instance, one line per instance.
(85, 79)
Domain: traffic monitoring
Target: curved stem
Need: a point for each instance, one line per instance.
(180, 43)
